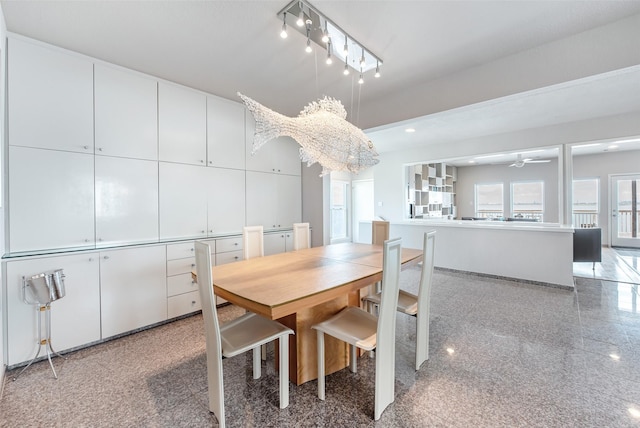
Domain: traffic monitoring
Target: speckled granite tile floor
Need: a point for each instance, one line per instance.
(503, 354)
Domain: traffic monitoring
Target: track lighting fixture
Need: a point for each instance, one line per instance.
(324, 32)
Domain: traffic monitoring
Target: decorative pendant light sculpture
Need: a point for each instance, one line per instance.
(321, 130)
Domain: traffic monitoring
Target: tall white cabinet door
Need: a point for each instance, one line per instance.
(225, 133)
(133, 289)
(226, 200)
(126, 112)
(75, 318)
(126, 201)
(183, 201)
(289, 200)
(262, 199)
(50, 200)
(50, 98)
(182, 124)
(287, 152)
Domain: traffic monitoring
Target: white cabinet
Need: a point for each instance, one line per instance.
(275, 243)
(225, 200)
(228, 250)
(75, 319)
(225, 133)
(182, 124)
(280, 155)
(51, 200)
(182, 291)
(126, 201)
(50, 98)
(126, 114)
(133, 289)
(183, 201)
(273, 200)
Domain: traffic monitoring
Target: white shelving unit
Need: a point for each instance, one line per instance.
(431, 190)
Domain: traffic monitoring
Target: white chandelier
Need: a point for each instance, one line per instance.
(322, 132)
(317, 28)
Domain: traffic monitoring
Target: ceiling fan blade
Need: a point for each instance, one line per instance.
(538, 161)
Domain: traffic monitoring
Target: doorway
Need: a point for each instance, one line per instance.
(362, 205)
(625, 205)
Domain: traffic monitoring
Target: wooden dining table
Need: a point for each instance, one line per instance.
(304, 287)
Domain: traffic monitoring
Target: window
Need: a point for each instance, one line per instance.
(586, 194)
(527, 200)
(339, 213)
(489, 200)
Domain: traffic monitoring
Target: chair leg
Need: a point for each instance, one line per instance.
(353, 361)
(320, 364)
(257, 363)
(284, 371)
(422, 338)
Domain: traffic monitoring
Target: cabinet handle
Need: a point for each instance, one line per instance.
(203, 231)
(90, 259)
(99, 149)
(193, 265)
(85, 147)
(201, 161)
(106, 257)
(236, 257)
(191, 249)
(274, 170)
(99, 239)
(210, 230)
(193, 302)
(235, 243)
(86, 240)
(210, 162)
(278, 170)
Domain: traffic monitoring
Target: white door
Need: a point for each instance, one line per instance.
(50, 200)
(133, 288)
(362, 203)
(75, 318)
(262, 199)
(225, 133)
(183, 201)
(126, 201)
(274, 243)
(226, 200)
(625, 209)
(182, 125)
(126, 111)
(50, 98)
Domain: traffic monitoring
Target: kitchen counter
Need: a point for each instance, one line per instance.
(532, 252)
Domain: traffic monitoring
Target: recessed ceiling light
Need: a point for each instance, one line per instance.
(635, 140)
(450, 351)
(634, 412)
(612, 147)
(530, 151)
(410, 130)
(472, 161)
(615, 357)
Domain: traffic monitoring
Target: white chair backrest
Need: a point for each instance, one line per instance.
(253, 242)
(424, 298)
(211, 327)
(386, 334)
(379, 232)
(301, 236)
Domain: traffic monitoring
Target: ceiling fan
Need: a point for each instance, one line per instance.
(520, 162)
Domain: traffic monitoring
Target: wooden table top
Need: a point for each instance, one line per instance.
(282, 284)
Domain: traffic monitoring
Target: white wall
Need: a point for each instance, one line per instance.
(470, 175)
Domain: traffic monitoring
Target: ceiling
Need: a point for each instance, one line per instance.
(222, 47)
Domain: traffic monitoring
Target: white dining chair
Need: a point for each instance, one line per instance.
(360, 329)
(243, 334)
(252, 242)
(417, 306)
(301, 236)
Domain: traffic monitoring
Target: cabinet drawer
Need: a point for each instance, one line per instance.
(176, 267)
(183, 304)
(228, 244)
(179, 284)
(180, 251)
(230, 257)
